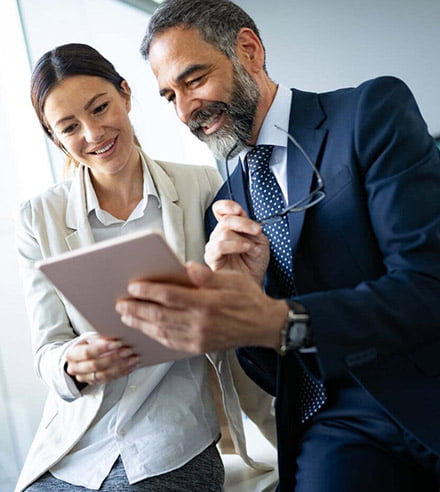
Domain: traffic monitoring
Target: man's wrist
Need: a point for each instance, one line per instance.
(296, 331)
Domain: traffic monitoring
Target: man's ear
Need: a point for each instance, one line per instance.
(250, 50)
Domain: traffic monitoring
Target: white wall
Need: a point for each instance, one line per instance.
(321, 45)
(115, 30)
(24, 170)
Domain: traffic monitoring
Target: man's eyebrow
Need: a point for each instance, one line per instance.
(186, 73)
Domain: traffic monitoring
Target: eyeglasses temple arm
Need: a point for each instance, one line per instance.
(304, 153)
(228, 176)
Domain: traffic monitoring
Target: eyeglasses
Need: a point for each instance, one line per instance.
(313, 198)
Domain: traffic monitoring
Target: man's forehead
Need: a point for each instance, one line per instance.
(178, 50)
(178, 43)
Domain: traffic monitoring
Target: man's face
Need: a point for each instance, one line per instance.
(213, 95)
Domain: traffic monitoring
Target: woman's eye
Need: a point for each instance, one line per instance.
(100, 108)
(69, 129)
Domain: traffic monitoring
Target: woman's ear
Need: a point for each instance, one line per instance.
(126, 93)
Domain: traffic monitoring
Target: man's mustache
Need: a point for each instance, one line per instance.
(204, 115)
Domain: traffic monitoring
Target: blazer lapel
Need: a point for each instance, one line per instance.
(172, 214)
(172, 217)
(305, 117)
(76, 214)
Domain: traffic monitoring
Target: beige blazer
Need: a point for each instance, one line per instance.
(55, 222)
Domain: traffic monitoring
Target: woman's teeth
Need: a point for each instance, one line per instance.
(104, 149)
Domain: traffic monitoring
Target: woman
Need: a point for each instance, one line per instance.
(107, 424)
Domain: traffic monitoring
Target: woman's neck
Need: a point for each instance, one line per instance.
(119, 194)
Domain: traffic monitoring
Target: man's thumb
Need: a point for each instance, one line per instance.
(199, 274)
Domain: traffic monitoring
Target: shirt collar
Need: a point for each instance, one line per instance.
(278, 114)
(149, 189)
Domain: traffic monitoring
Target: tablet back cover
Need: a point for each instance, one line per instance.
(94, 277)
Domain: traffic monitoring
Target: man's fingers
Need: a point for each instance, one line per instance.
(165, 325)
(200, 275)
(227, 207)
(152, 330)
(216, 254)
(166, 294)
(242, 225)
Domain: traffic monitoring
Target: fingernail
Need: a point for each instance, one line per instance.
(133, 361)
(125, 353)
(117, 344)
(126, 319)
(256, 228)
(133, 289)
(121, 307)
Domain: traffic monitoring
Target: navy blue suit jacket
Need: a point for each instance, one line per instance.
(366, 259)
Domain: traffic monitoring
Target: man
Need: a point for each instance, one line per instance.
(350, 298)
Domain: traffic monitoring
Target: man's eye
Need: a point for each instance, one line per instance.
(171, 98)
(195, 81)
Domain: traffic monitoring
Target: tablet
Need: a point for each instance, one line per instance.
(94, 277)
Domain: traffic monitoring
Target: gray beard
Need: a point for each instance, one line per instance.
(240, 113)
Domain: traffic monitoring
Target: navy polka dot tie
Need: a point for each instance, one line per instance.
(267, 200)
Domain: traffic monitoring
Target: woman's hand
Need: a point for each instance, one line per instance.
(237, 243)
(96, 360)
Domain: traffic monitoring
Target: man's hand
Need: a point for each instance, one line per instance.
(225, 310)
(97, 360)
(237, 243)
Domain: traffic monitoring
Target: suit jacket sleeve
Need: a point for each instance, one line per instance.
(397, 311)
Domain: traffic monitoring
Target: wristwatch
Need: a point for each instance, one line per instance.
(296, 332)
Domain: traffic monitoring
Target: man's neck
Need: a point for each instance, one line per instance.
(268, 90)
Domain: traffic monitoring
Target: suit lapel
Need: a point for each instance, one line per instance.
(305, 117)
(239, 187)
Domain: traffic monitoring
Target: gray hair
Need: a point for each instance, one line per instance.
(218, 22)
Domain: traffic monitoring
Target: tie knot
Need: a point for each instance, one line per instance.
(259, 156)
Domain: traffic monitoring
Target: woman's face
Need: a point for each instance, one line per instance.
(89, 118)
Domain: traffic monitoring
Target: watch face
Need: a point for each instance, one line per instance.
(298, 334)
(298, 331)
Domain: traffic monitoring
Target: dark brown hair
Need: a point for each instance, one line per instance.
(63, 62)
(66, 61)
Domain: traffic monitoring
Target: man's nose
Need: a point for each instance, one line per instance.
(185, 107)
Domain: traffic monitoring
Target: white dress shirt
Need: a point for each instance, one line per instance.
(278, 114)
(159, 417)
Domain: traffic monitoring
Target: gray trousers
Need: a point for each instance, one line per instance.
(204, 473)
